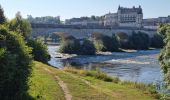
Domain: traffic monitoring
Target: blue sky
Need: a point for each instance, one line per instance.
(76, 8)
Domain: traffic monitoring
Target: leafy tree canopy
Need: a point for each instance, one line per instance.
(20, 25)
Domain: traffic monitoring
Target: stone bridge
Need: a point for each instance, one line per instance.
(83, 31)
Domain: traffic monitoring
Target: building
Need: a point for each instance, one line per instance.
(85, 21)
(111, 19)
(125, 17)
(153, 23)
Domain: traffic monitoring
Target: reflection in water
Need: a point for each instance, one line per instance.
(141, 66)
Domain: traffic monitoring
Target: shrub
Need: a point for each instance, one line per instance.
(140, 41)
(157, 41)
(70, 47)
(87, 48)
(98, 45)
(96, 74)
(123, 39)
(122, 36)
(15, 66)
(21, 26)
(39, 50)
(164, 56)
(105, 43)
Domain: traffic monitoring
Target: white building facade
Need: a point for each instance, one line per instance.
(125, 17)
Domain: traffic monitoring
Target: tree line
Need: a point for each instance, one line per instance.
(17, 52)
(164, 57)
(103, 43)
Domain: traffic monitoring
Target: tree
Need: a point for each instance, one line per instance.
(2, 16)
(140, 41)
(164, 57)
(21, 26)
(70, 47)
(39, 50)
(15, 65)
(105, 43)
(87, 48)
(123, 39)
(157, 41)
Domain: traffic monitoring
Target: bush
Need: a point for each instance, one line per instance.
(157, 41)
(70, 47)
(15, 66)
(96, 74)
(105, 43)
(164, 57)
(21, 26)
(39, 50)
(123, 39)
(87, 48)
(122, 36)
(139, 41)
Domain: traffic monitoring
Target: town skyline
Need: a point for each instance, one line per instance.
(82, 8)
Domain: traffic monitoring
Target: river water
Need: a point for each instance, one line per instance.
(140, 66)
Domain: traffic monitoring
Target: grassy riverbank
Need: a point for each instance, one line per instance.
(83, 85)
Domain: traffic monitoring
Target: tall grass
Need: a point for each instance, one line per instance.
(148, 89)
(96, 74)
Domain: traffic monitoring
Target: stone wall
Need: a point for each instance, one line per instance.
(86, 33)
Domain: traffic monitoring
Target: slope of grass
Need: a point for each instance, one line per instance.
(44, 86)
(120, 90)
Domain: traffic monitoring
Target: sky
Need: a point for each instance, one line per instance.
(76, 8)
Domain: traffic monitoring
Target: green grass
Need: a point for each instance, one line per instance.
(43, 86)
(122, 90)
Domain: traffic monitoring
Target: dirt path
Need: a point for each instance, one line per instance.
(64, 87)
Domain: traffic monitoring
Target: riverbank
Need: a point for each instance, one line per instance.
(45, 84)
(137, 66)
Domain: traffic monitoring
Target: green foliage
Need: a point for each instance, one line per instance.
(136, 41)
(139, 41)
(157, 41)
(87, 48)
(164, 57)
(122, 36)
(15, 65)
(164, 30)
(96, 74)
(2, 16)
(123, 39)
(39, 50)
(70, 46)
(105, 43)
(21, 26)
(98, 45)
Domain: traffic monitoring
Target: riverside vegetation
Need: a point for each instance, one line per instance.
(16, 57)
(102, 43)
(22, 78)
(84, 85)
(164, 57)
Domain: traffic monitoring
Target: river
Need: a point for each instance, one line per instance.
(140, 66)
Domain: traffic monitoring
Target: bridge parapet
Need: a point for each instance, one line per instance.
(40, 25)
(83, 31)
